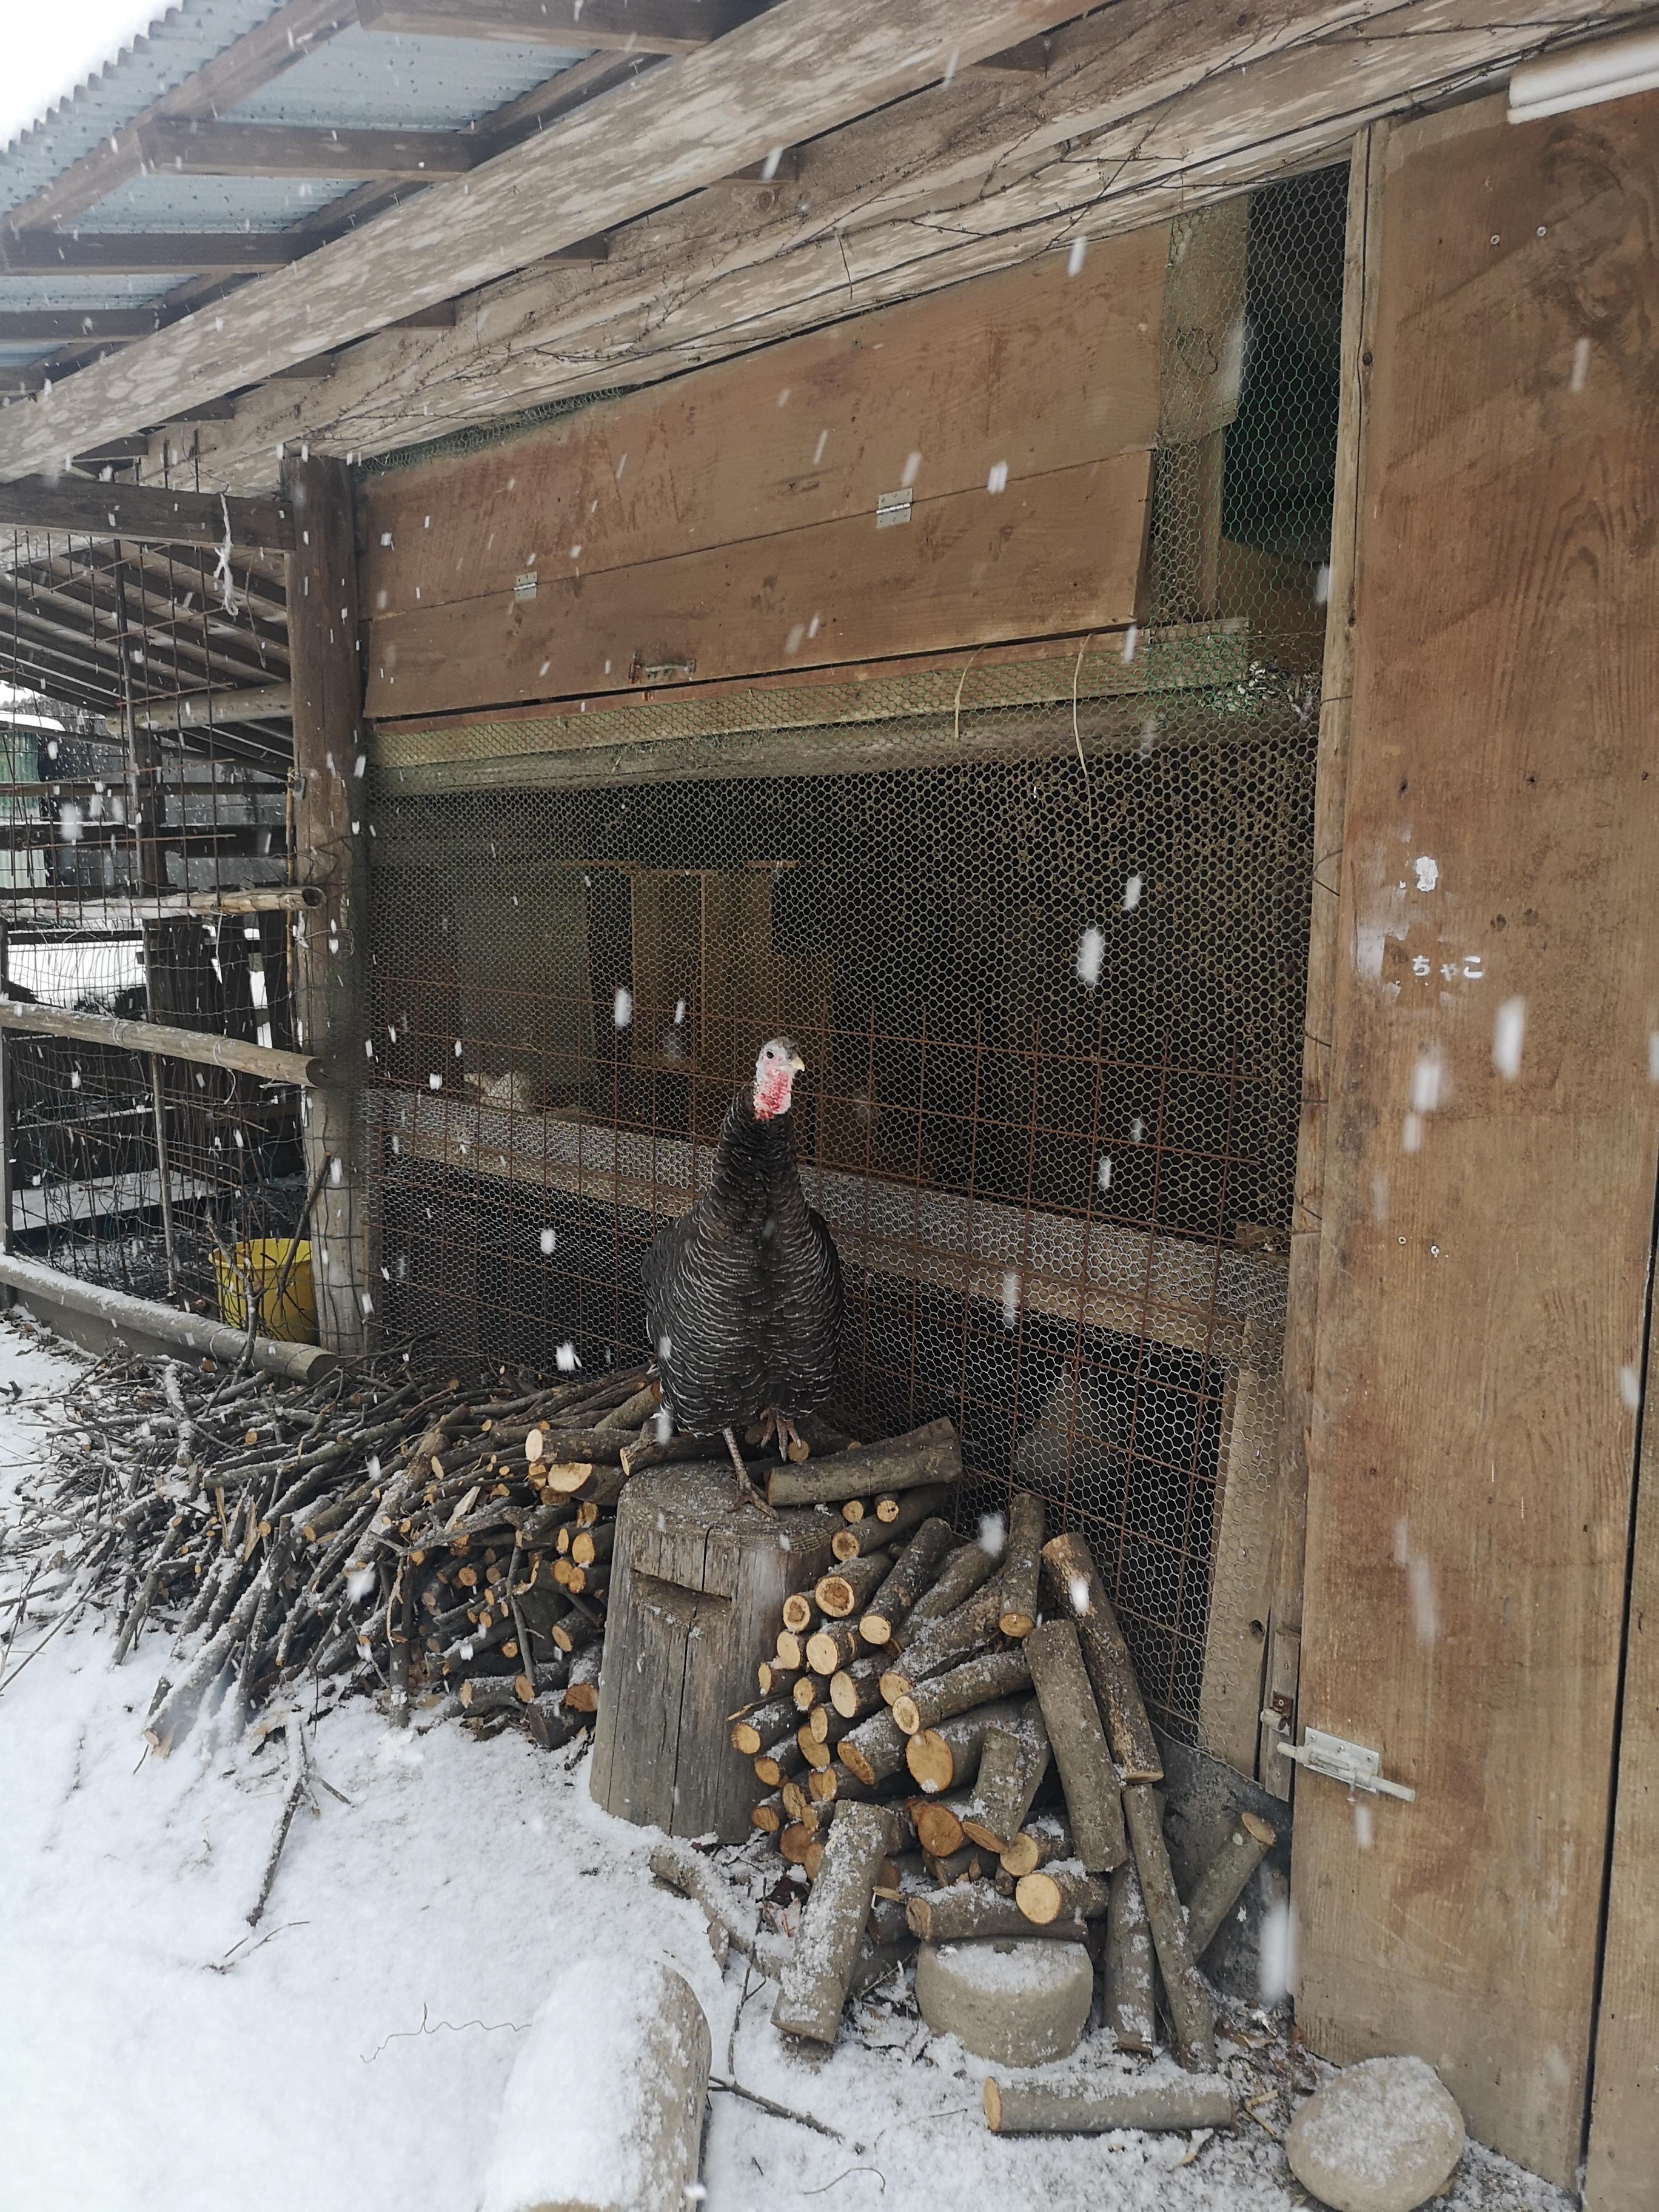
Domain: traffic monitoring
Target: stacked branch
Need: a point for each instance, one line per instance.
(377, 1531)
(987, 1712)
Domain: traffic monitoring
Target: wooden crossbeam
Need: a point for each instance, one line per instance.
(147, 254)
(263, 1061)
(784, 77)
(147, 512)
(661, 26)
(189, 148)
(117, 911)
(132, 448)
(68, 323)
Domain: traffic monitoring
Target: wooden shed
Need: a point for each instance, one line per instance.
(1096, 567)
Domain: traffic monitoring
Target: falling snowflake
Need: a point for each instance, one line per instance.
(1090, 956)
(548, 1240)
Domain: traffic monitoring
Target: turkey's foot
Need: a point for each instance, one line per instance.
(747, 1493)
(791, 1445)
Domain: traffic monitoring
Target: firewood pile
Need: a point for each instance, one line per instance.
(953, 1745)
(377, 1531)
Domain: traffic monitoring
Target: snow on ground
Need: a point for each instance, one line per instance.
(351, 2056)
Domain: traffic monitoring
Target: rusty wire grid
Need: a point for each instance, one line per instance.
(144, 714)
(1039, 922)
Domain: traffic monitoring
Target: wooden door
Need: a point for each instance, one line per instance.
(1490, 1172)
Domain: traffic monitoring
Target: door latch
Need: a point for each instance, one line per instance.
(1353, 1765)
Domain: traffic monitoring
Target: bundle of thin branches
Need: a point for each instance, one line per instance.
(379, 1530)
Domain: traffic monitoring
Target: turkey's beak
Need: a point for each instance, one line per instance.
(797, 1064)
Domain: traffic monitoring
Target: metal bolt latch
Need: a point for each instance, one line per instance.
(1353, 1765)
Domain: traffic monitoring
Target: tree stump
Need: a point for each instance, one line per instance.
(696, 1588)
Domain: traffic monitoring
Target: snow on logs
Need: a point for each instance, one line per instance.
(603, 2108)
(924, 1718)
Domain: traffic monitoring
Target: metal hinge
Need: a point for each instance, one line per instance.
(1353, 1765)
(523, 586)
(892, 507)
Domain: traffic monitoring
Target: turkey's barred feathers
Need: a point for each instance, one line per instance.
(746, 1290)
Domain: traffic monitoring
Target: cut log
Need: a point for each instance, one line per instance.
(932, 1454)
(635, 2025)
(1021, 1561)
(1079, 1741)
(1044, 1896)
(798, 1613)
(1130, 2013)
(1034, 2109)
(767, 1816)
(773, 1681)
(912, 1572)
(1047, 1838)
(967, 1569)
(853, 1508)
(573, 1631)
(1223, 1880)
(667, 1451)
(547, 1724)
(972, 1627)
(790, 1650)
(752, 1731)
(687, 1871)
(796, 1842)
(832, 1647)
(851, 1585)
(856, 1690)
(1012, 1765)
(869, 1535)
(973, 1908)
(966, 1863)
(1078, 1593)
(820, 1967)
(938, 1823)
(582, 1693)
(774, 1765)
(993, 1674)
(874, 1751)
(804, 1695)
(1191, 2014)
(940, 1758)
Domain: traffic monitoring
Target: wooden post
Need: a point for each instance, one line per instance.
(331, 947)
(1324, 941)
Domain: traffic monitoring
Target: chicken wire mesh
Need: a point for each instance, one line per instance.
(144, 712)
(1038, 921)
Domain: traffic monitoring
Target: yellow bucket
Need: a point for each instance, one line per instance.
(293, 1316)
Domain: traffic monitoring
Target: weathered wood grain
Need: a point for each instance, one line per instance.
(695, 1592)
(1029, 369)
(1060, 551)
(1142, 114)
(1624, 2137)
(1241, 1567)
(146, 514)
(1486, 1238)
(330, 946)
(782, 78)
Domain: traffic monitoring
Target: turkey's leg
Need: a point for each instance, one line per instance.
(747, 1493)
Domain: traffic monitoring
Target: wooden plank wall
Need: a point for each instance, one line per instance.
(1623, 2169)
(1486, 1235)
(725, 525)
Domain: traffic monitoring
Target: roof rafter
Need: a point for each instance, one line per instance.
(662, 26)
(189, 148)
(781, 78)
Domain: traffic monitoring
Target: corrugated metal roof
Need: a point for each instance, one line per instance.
(377, 80)
(175, 47)
(164, 201)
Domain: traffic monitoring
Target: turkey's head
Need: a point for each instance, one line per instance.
(776, 1070)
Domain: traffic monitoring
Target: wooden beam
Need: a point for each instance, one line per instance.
(233, 1055)
(30, 909)
(661, 26)
(780, 167)
(1135, 122)
(69, 323)
(148, 513)
(134, 448)
(201, 710)
(189, 148)
(568, 88)
(1325, 941)
(782, 78)
(1492, 1148)
(1028, 59)
(330, 948)
(145, 254)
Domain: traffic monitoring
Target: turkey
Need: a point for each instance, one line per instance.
(743, 1294)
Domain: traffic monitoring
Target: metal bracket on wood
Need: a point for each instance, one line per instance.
(1353, 1765)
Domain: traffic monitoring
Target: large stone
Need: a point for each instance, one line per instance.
(1383, 2136)
(1017, 2000)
